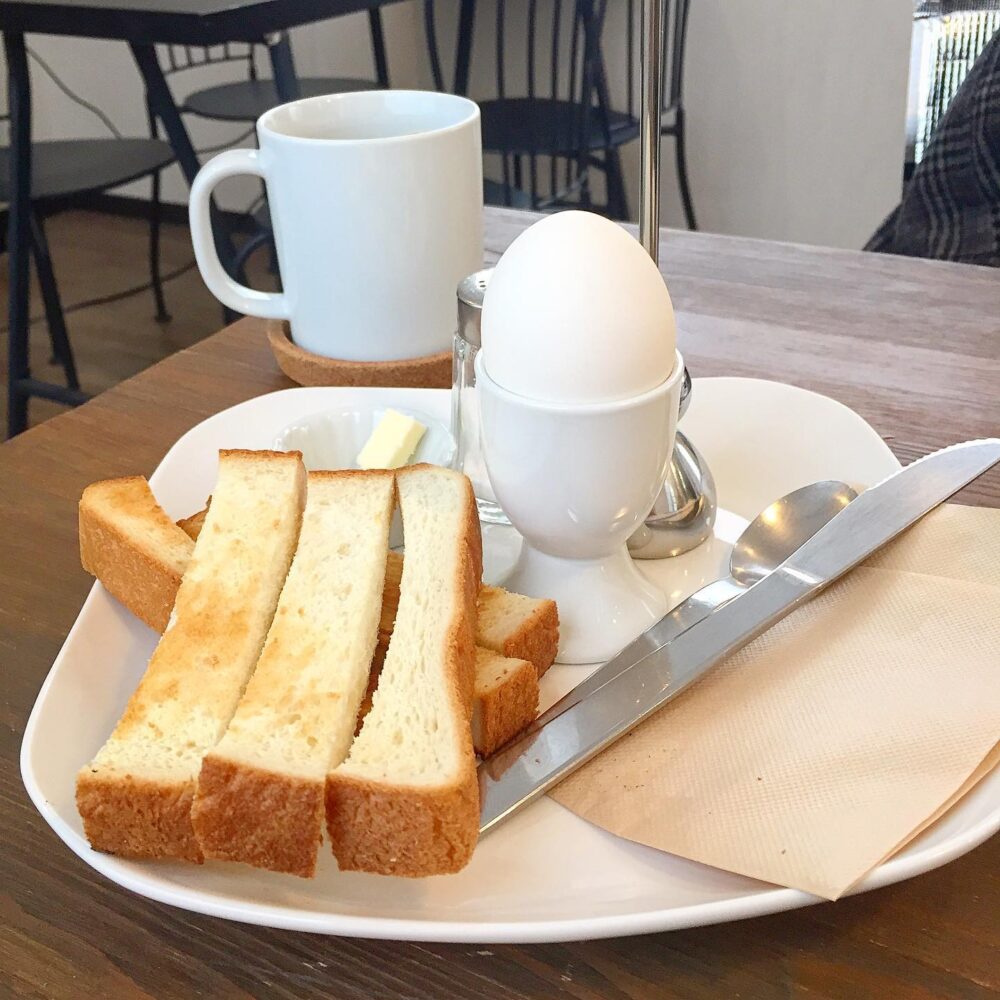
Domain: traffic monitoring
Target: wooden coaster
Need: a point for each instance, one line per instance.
(430, 372)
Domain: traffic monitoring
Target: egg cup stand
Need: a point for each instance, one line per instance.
(432, 371)
(576, 480)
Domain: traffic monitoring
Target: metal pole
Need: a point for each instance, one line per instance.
(650, 105)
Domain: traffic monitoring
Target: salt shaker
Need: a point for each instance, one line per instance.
(465, 421)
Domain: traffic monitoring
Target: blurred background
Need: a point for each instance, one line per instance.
(782, 120)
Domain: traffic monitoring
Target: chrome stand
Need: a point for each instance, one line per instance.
(684, 513)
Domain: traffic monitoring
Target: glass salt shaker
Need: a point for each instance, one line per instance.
(465, 424)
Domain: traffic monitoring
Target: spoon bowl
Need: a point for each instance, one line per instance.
(778, 530)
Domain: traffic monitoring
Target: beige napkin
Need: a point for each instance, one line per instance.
(831, 741)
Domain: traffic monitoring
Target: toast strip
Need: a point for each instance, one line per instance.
(260, 796)
(135, 550)
(406, 800)
(505, 702)
(521, 628)
(135, 796)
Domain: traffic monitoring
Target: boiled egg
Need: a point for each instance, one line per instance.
(577, 312)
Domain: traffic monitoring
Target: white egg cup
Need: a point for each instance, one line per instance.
(576, 480)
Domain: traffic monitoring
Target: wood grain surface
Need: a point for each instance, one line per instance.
(913, 346)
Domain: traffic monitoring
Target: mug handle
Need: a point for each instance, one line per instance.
(267, 305)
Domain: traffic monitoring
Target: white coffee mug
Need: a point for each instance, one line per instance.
(376, 202)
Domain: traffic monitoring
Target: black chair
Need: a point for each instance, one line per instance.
(246, 99)
(549, 119)
(61, 172)
(622, 127)
(563, 112)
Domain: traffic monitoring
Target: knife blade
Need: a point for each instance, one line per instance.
(692, 609)
(517, 774)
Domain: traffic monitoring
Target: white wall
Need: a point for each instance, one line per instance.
(796, 108)
(797, 114)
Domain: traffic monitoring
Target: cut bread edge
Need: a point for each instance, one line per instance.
(536, 637)
(136, 817)
(244, 812)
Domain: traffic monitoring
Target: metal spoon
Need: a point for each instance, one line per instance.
(765, 544)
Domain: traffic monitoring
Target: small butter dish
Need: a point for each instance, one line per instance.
(332, 439)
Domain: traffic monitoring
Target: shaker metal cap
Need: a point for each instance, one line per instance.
(471, 292)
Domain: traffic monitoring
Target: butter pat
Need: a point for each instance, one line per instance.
(392, 443)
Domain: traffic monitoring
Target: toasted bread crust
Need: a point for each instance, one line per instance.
(137, 817)
(246, 813)
(138, 575)
(191, 526)
(502, 711)
(537, 640)
(388, 828)
(466, 617)
(401, 830)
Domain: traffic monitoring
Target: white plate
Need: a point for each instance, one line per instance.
(546, 875)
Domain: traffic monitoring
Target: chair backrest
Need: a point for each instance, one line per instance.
(624, 23)
(561, 50)
(546, 52)
(179, 58)
(538, 45)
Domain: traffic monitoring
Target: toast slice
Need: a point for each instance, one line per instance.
(521, 628)
(406, 800)
(505, 702)
(260, 796)
(132, 547)
(135, 796)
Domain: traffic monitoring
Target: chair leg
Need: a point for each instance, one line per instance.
(378, 48)
(617, 195)
(61, 349)
(155, 219)
(682, 174)
(155, 277)
(18, 230)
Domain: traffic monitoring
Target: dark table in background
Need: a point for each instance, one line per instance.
(913, 346)
(142, 24)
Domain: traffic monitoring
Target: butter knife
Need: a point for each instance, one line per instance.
(527, 767)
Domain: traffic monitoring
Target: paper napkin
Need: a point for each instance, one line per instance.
(828, 743)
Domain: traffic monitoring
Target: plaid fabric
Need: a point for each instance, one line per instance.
(951, 206)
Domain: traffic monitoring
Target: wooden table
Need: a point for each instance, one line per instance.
(913, 346)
